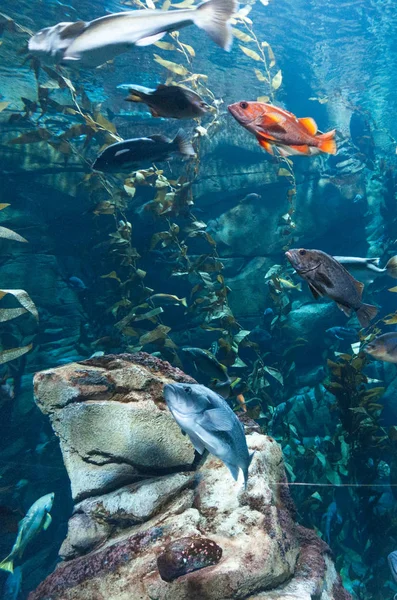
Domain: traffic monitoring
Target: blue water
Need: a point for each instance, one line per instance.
(333, 62)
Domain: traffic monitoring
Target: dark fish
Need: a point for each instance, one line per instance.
(210, 424)
(126, 155)
(327, 277)
(329, 517)
(168, 101)
(342, 333)
(392, 560)
(383, 347)
(95, 42)
(205, 362)
(77, 283)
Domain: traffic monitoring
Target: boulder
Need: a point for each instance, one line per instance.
(181, 535)
(112, 421)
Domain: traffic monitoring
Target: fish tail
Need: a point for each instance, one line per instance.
(213, 16)
(184, 144)
(366, 313)
(373, 261)
(135, 95)
(223, 388)
(391, 267)
(7, 564)
(184, 302)
(326, 142)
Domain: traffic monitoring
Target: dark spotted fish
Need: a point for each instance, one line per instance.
(327, 277)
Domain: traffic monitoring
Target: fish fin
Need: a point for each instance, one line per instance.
(304, 149)
(315, 293)
(234, 470)
(309, 124)
(345, 309)
(271, 123)
(366, 313)
(7, 564)
(241, 400)
(182, 141)
(245, 471)
(359, 287)
(135, 96)
(266, 145)
(323, 278)
(47, 521)
(391, 267)
(153, 112)
(146, 41)
(73, 30)
(285, 151)
(197, 443)
(326, 142)
(216, 419)
(213, 16)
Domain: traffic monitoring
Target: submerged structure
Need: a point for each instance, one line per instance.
(170, 265)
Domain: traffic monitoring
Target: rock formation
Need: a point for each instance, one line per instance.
(150, 521)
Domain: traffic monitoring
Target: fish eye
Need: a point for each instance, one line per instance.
(302, 252)
(187, 390)
(243, 105)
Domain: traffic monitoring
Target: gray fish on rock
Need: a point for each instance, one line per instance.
(392, 560)
(368, 268)
(124, 156)
(210, 424)
(327, 277)
(383, 347)
(95, 42)
(37, 518)
(168, 101)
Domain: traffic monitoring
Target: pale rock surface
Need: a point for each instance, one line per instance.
(264, 554)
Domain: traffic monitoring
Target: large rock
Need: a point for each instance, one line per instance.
(177, 536)
(112, 421)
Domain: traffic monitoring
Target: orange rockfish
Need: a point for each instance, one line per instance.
(274, 126)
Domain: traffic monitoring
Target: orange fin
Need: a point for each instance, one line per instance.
(266, 145)
(359, 287)
(309, 124)
(301, 149)
(326, 142)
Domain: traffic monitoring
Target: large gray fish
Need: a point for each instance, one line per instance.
(327, 277)
(168, 101)
(95, 42)
(383, 347)
(368, 268)
(37, 518)
(210, 424)
(392, 560)
(124, 156)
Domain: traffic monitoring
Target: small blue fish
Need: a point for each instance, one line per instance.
(37, 518)
(342, 333)
(330, 516)
(77, 283)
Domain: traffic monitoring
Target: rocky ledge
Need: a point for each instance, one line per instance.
(152, 520)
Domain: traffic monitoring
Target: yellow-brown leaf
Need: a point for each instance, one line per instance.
(171, 66)
(13, 353)
(251, 53)
(277, 80)
(240, 35)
